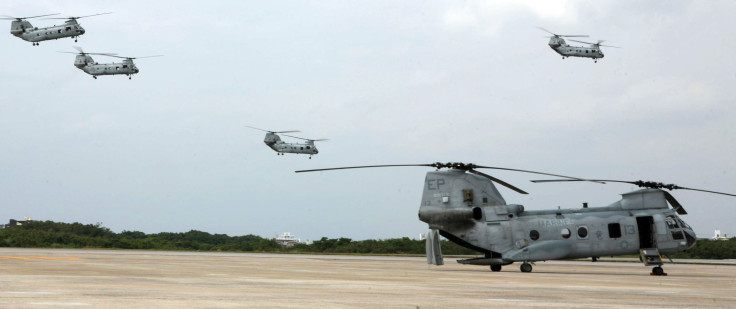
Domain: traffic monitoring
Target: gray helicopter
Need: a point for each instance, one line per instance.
(558, 44)
(84, 62)
(23, 29)
(464, 206)
(273, 141)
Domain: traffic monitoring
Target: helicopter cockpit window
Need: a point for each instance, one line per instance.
(565, 233)
(125, 66)
(682, 223)
(68, 29)
(671, 222)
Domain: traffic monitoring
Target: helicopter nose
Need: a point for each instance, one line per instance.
(690, 238)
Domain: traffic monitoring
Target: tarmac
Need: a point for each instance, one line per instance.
(43, 278)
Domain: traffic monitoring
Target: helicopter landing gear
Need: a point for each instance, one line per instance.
(95, 77)
(526, 267)
(130, 77)
(658, 271)
(495, 267)
(35, 44)
(595, 61)
(310, 157)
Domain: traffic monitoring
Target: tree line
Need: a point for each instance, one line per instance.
(49, 234)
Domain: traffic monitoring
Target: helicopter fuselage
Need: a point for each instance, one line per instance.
(561, 47)
(468, 210)
(274, 142)
(89, 66)
(24, 30)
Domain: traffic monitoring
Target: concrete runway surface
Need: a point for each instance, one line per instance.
(43, 278)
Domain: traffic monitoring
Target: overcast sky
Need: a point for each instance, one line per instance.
(388, 82)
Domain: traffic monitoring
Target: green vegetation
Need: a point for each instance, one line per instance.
(710, 249)
(48, 234)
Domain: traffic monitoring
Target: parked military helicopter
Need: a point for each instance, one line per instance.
(85, 63)
(23, 29)
(273, 141)
(558, 44)
(464, 206)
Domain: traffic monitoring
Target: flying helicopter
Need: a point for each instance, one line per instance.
(558, 44)
(273, 141)
(84, 62)
(23, 29)
(464, 206)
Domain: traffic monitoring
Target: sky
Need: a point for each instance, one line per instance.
(387, 82)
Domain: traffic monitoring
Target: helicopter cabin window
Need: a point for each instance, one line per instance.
(125, 66)
(677, 235)
(68, 29)
(309, 147)
(534, 234)
(583, 232)
(301, 148)
(586, 51)
(117, 68)
(59, 30)
(614, 230)
(565, 233)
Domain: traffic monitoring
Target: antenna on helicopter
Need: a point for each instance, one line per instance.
(469, 167)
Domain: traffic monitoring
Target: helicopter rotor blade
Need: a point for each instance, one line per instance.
(306, 139)
(499, 181)
(640, 183)
(545, 30)
(131, 58)
(364, 166)
(539, 173)
(6, 17)
(78, 17)
(78, 48)
(675, 204)
(291, 131)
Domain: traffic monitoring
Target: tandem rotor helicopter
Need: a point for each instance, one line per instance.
(558, 44)
(84, 62)
(23, 29)
(464, 206)
(273, 141)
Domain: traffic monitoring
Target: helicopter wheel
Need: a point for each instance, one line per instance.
(657, 271)
(130, 77)
(495, 267)
(95, 77)
(526, 267)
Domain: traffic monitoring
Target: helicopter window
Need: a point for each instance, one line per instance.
(309, 147)
(586, 51)
(677, 235)
(671, 222)
(534, 234)
(565, 233)
(59, 30)
(614, 230)
(583, 232)
(125, 66)
(682, 223)
(68, 29)
(301, 148)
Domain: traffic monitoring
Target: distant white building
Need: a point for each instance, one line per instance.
(718, 236)
(287, 240)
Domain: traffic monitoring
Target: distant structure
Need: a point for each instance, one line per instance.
(14, 222)
(287, 240)
(718, 236)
